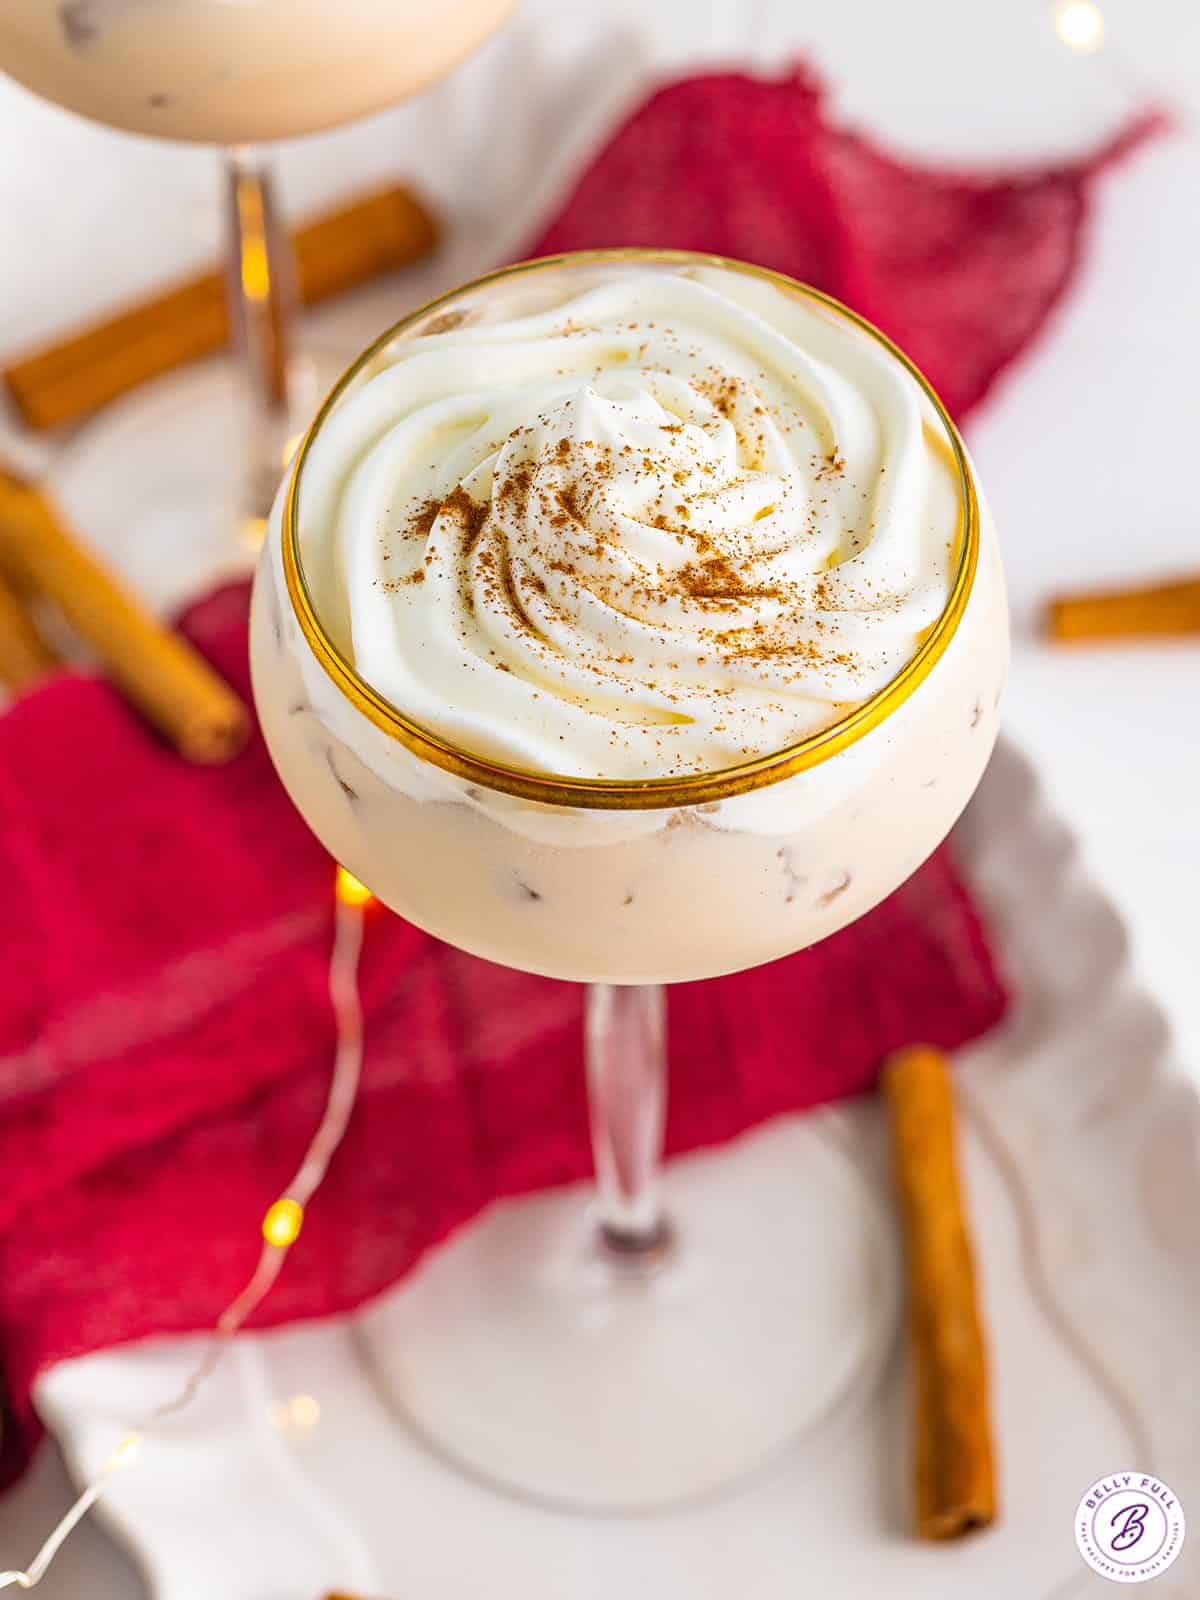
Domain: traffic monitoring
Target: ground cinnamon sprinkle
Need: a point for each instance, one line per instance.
(516, 605)
(718, 578)
(568, 499)
(514, 490)
(420, 524)
(723, 391)
(471, 514)
(558, 511)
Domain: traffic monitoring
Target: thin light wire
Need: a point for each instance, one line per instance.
(343, 1088)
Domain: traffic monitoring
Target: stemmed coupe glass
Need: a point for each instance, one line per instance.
(629, 1351)
(203, 464)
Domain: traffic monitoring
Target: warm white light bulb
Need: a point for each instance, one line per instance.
(297, 1415)
(125, 1454)
(253, 531)
(350, 891)
(304, 1411)
(1079, 24)
(282, 1223)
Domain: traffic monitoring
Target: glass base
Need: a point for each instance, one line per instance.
(534, 1358)
(156, 481)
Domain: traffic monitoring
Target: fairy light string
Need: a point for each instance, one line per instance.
(281, 1224)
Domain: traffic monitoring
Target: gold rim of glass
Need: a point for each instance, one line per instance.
(623, 794)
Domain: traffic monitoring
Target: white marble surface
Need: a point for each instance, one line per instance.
(1087, 450)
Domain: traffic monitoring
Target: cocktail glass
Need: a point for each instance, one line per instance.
(632, 1351)
(204, 456)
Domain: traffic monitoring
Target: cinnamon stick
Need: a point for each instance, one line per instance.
(168, 681)
(376, 233)
(1158, 611)
(24, 654)
(954, 1471)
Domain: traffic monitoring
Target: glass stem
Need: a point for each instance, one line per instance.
(625, 1038)
(260, 286)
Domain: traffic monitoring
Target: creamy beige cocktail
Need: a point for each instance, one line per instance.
(610, 536)
(236, 73)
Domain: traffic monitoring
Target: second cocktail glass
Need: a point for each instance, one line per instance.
(660, 1351)
(239, 77)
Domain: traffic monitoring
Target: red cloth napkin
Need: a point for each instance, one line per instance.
(165, 1035)
(960, 268)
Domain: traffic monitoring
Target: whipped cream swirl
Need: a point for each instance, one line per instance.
(680, 519)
